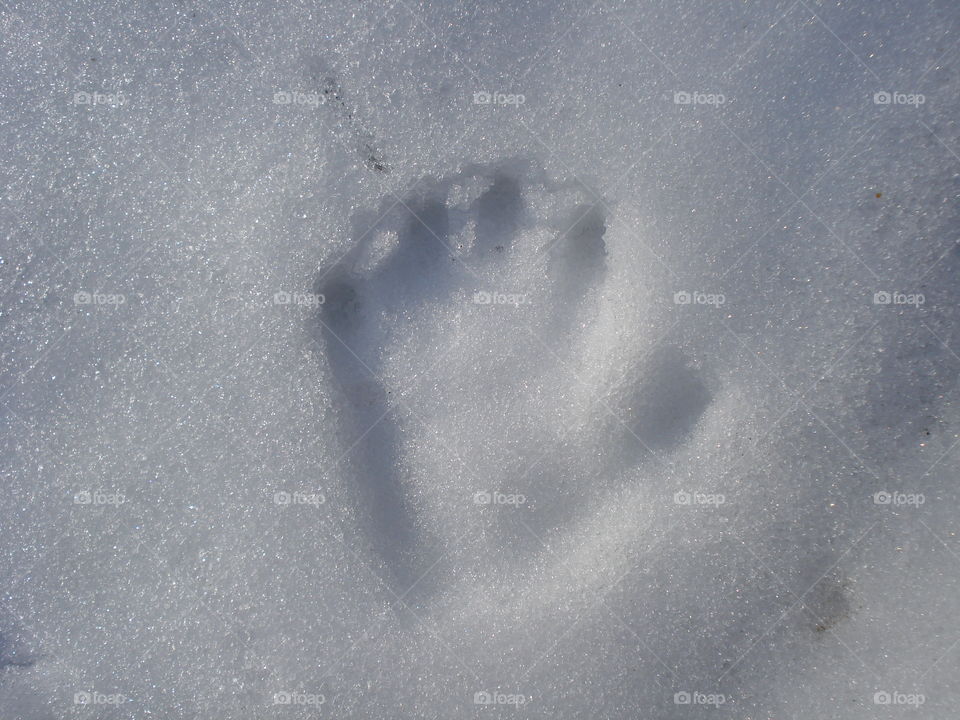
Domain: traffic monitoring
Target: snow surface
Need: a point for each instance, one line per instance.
(436, 359)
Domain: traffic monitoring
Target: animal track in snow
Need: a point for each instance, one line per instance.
(450, 327)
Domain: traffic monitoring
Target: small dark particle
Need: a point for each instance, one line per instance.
(878, 195)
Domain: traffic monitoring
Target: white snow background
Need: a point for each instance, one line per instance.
(434, 359)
